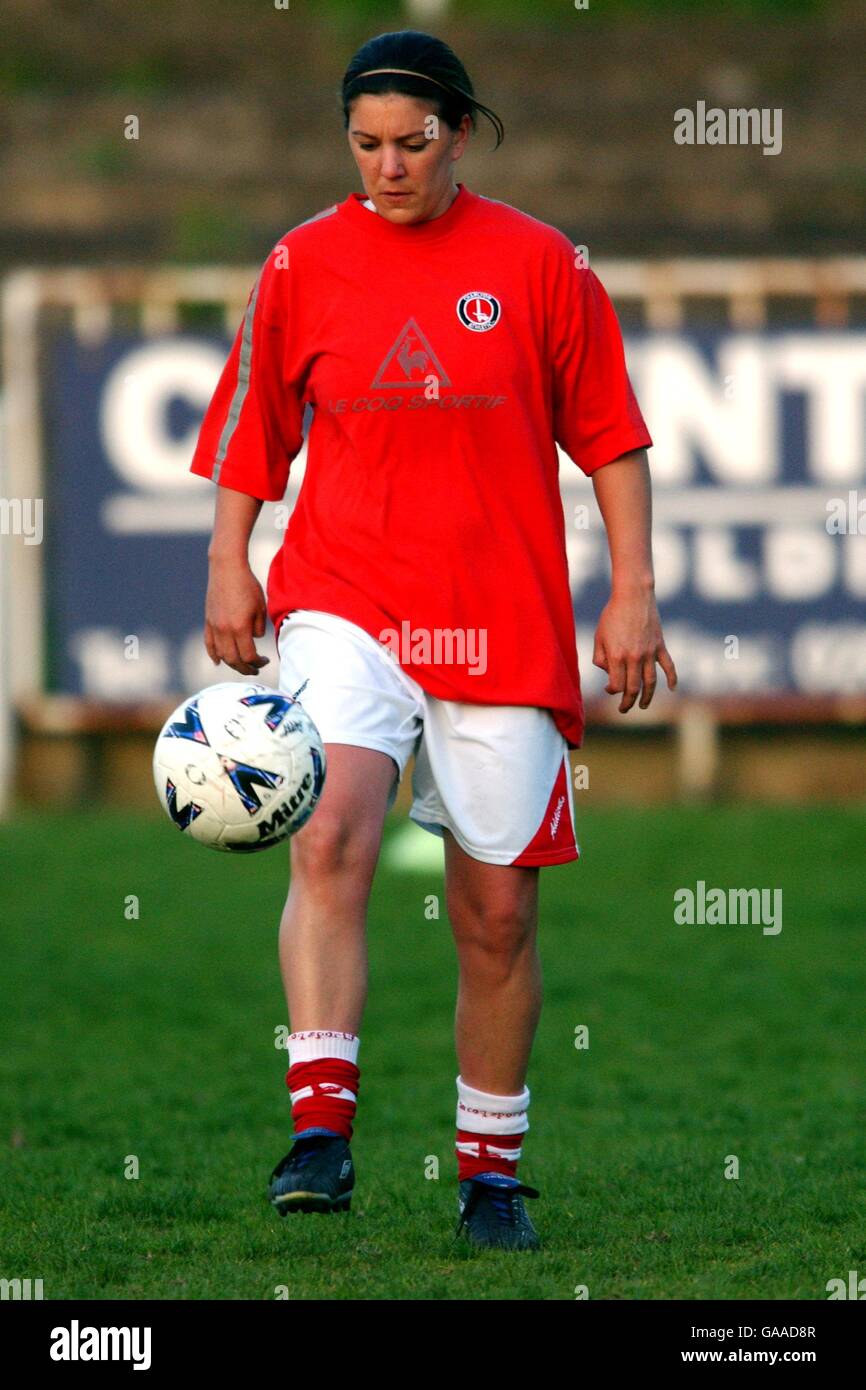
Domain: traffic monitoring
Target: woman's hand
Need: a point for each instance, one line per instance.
(628, 644)
(628, 641)
(235, 614)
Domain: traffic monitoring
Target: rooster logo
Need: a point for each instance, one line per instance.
(410, 361)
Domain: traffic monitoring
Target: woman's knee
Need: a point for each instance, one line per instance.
(335, 845)
(498, 930)
(342, 837)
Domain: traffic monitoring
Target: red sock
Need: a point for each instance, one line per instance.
(324, 1094)
(487, 1153)
(323, 1080)
(489, 1131)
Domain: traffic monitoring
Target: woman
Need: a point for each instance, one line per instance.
(446, 342)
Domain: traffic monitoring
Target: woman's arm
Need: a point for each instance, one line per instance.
(629, 641)
(235, 607)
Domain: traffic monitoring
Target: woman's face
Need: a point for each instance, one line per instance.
(405, 156)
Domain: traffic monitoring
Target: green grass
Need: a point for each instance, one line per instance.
(154, 1038)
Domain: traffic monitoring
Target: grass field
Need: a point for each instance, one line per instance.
(155, 1038)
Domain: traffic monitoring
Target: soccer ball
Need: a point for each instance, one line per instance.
(239, 767)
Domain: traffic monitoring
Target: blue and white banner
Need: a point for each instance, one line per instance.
(759, 469)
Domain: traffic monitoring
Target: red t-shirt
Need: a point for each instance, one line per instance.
(442, 360)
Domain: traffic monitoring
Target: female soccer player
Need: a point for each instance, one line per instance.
(446, 342)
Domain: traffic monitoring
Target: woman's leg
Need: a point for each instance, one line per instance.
(323, 958)
(323, 954)
(494, 917)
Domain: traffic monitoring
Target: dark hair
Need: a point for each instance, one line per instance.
(423, 54)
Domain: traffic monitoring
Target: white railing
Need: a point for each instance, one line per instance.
(90, 299)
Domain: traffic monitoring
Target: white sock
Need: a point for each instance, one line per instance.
(483, 1113)
(323, 1042)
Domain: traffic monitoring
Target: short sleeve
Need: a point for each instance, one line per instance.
(596, 416)
(252, 428)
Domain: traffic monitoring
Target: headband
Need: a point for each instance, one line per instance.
(372, 72)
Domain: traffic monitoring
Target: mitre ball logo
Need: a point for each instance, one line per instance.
(478, 310)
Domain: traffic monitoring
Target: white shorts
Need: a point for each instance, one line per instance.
(496, 776)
